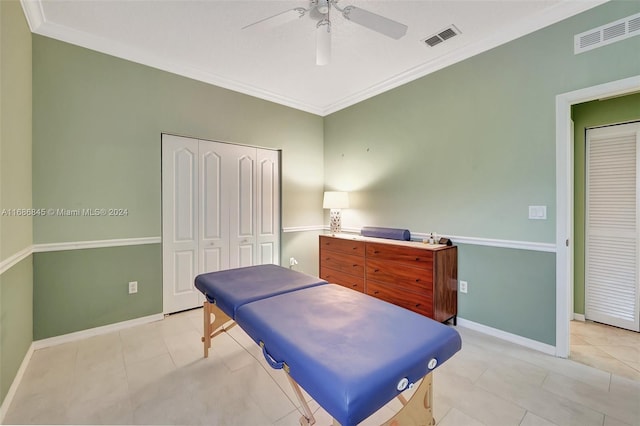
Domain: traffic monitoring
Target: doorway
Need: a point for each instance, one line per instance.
(564, 198)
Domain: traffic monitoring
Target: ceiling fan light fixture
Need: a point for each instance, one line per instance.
(322, 6)
(323, 42)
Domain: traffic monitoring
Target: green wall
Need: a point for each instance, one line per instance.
(17, 320)
(97, 131)
(16, 282)
(80, 289)
(508, 270)
(97, 126)
(15, 132)
(592, 114)
(464, 151)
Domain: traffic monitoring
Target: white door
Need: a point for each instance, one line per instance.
(221, 210)
(242, 202)
(180, 222)
(611, 275)
(214, 212)
(268, 203)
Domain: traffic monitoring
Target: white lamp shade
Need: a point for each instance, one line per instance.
(335, 200)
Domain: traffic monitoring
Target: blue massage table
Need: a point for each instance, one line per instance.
(352, 353)
(227, 290)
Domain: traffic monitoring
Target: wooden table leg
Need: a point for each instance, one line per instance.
(215, 327)
(307, 418)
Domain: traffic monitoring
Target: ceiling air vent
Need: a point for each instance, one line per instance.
(441, 36)
(607, 34)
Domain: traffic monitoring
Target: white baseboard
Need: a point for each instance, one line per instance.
(579, 317)
(97, 331)
(509, 337)
(14, 385)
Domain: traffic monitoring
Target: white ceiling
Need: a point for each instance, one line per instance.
(203, 39)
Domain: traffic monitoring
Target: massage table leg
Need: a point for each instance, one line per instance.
(307, 418)
(215, 327)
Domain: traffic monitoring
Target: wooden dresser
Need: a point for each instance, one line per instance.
(416, 276)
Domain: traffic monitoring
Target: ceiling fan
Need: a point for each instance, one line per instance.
(320, 11)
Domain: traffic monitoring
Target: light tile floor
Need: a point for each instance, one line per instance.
(608, 348)
(155, 374)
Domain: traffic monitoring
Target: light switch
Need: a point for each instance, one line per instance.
(538, 212)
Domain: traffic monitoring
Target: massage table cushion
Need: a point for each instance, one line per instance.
(232, 288)
(349, 351)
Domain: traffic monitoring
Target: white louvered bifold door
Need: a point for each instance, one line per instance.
(611, 240)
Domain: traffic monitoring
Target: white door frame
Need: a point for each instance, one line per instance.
(564, 200)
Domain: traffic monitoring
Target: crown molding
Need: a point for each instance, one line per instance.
(39, 25)
(34, 13)
(550, 16)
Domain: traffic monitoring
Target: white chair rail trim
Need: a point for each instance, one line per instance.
(477, 241)
(16, 258)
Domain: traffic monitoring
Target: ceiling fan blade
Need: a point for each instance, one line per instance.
(375, 22)
(279, 19)
(323, 42)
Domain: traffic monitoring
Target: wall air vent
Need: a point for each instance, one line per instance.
(607, 34)
(440, 36)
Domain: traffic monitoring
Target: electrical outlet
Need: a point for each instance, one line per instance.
(292, 261)
(463, 286)
(133, 287)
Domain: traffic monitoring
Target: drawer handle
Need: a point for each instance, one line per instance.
(354, 248)
(417, 305)
(376, 270)
(417, 280)
(354, 265)
(376, 252)
(376, 292)
(417, 259)
(354, 285)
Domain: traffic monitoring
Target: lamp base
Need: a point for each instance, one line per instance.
(334, 221)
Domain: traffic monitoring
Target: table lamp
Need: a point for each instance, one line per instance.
(335, 201)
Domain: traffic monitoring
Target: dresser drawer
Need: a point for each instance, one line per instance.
(347, 280)
(350, 264)
(420, 303)
(420, 258)
(400, 275)
(342, 245)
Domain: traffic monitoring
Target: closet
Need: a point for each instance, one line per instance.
(611, 234)
(220, 210)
